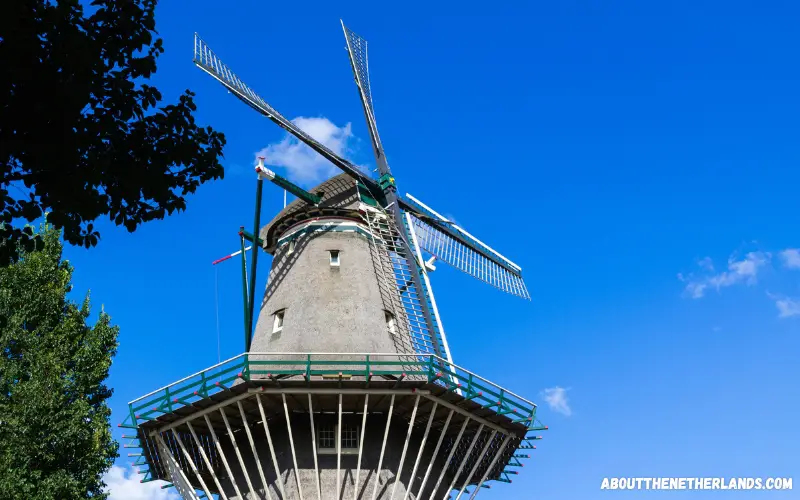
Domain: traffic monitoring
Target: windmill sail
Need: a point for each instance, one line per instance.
(205, 59)
(394, 268)
(455, 246)
(357, 50)
(417, 299)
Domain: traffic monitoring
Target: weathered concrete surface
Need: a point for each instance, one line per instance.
(326, 308)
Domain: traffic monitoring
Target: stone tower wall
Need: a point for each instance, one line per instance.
(326, 308)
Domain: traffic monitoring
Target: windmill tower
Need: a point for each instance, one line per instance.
(347, 387)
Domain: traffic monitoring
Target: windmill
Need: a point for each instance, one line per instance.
(347, 372)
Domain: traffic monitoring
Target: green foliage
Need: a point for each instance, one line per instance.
(55, 437)
(80, 132)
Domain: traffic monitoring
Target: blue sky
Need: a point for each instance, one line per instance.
(639, 162)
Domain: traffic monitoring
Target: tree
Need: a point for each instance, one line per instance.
(80, 135)
(55, 436)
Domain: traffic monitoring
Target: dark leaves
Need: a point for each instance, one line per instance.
(81, 135)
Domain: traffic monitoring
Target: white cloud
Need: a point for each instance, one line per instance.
(694, 289)
(556, 397)
(122, 483)
(791, 258)
(787, 307)
(706, 263)
(304, 165)
(739, 271)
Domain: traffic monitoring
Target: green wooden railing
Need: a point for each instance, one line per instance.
(429, 368)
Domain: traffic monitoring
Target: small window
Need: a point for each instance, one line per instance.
(391, 323)
(291, 247)
(334, 257)
(349, 437)
(326, 438)
(277, 325)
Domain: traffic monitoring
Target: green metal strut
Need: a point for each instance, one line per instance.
(265, 173)
(254, 262)
(244, 290)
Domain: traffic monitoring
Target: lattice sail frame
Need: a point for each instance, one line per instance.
(357, 48)
(467, 254)
(459, 248)
(205, 59)
(398, 292)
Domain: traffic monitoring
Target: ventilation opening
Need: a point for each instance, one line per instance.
(277, 324)
(334, 254)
